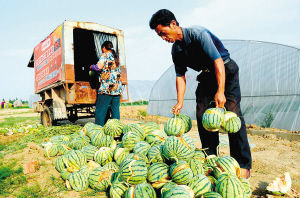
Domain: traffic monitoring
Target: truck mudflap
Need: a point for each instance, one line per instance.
(59, 110)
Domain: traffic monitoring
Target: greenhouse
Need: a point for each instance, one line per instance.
(269, 79)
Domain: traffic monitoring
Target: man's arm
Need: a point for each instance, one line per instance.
(180, 87)
(220, 75)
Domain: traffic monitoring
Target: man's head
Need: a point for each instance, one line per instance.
(166, 25)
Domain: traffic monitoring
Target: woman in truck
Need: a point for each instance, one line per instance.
(110, 84)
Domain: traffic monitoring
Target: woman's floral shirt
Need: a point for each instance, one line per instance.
(110, 76)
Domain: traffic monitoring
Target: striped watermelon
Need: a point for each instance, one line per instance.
(141, 147)
(60, 163)
(181, 172)
(77, 181)
(133, 171)
(89, 151)
(87, 127)
(229, 165)
(129, 140)
(187, 122)
(158, 174)
(174, 126)
(113, 127)
(143, 190)
(85, 171)
(93, 130)
(199, 156)
(79, 143)
(148, 127)
(51, 150)
(136, 156)
(200, 184)
(95, 139)
(100, 178)
(179, 191)
(156, 136)
(62, 149)
(212, 119)
(92, 165)
(75, 159)
(118, 187)
(65, 174)
(135, 128)
(178, 148)
(230, 186)
(211, 160)
(103, 155)
(213, 182)
(247, 188)
(196, 167)
(167, 187)
(227, 116)
(212, 195)
(217, 172)
(112, 165)
(154, 154)
(120, 154)
(233, 125)
(107, 141)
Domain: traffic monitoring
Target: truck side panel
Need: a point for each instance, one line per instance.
(48, 60)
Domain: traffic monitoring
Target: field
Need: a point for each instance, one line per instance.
(271, 157)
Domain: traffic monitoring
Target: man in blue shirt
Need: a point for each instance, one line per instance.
(199, 49)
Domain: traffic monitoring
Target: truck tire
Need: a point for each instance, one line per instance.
(47, 117)
(73, 118)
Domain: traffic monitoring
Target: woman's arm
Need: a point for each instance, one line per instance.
(99, 66)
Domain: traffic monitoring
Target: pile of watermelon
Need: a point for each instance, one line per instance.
(142, 160)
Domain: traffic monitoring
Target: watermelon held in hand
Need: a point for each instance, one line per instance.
(187, 122)
(233, 125)
(174, 126)
(212, 119)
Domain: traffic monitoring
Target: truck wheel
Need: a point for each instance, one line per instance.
(47, 117)
(73, 118)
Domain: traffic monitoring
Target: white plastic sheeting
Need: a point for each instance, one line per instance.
(269, 79)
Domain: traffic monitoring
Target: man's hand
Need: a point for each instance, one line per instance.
(177, 108)
(220, 99)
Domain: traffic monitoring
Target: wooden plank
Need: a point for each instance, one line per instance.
(84, 94)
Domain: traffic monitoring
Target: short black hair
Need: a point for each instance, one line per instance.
(162, 17)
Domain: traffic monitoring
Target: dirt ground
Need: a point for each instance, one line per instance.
(4, 113)
(271, 156)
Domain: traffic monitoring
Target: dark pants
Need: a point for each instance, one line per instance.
(205, 93)
(102, 104)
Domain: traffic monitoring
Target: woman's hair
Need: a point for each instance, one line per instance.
(162, 17)
(109, 46)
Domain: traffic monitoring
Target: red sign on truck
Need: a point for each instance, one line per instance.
(48, 60)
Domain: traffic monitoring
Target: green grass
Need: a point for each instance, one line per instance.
(33, 191)
(10, 178)
(24, 107)
(135, 103)
(12, 121)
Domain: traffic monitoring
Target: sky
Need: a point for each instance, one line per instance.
(26, 23)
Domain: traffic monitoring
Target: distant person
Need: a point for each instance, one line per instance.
(110, 89)
(199, 49)
(2, 104)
